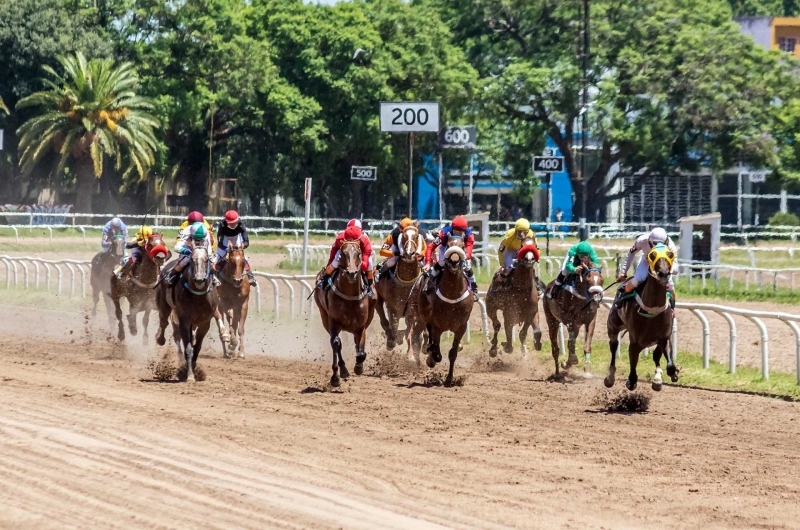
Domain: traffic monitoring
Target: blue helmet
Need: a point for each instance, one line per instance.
(116, 222)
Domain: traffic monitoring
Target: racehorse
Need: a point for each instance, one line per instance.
(449, 308)
(519, 302)
(394, 288)
(575, 306)
(103, 264)
(345, 306)
(648, 318)
(138, 286)
(234, 295)
(192, 303)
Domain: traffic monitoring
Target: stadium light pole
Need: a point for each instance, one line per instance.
(583, 232)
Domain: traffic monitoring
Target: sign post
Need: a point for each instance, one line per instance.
(1, 139)
(409, 117)
(548, 165)
(457, 137)
(307, 197)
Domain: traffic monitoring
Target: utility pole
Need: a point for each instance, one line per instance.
(410, 175)
(584, 119)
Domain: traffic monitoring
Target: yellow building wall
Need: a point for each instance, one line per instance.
(786, 27)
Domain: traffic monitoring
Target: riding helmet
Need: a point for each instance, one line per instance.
(198, 231)
(522, 224)
(459, 222)
(231, 217)
(116, 222)
(406, 222)
(658, 235)
(354, 222)
(195, 217)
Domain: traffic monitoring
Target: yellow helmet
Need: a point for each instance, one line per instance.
(522, 224)
(406, 222)
(144, 232)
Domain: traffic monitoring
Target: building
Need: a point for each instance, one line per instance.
(773, 33)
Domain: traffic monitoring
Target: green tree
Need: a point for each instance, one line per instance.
(90, 113)
(674, 85)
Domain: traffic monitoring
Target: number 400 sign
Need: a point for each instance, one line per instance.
(410, 117)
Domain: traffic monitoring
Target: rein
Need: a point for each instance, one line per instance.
(345, 296)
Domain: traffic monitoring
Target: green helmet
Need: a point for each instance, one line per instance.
(198, 231)
(583, 249)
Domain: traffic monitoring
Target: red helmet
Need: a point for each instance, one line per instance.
(459, 222)
(354, 222)
(231, 217)
(352, 233)
(195, 217)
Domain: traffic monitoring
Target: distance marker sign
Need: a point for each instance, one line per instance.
(464, 137)
(548, 164)
(363, 173)
(410, 117)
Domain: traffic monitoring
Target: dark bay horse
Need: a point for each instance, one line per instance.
(394, 288)
(448, 308)
(103, 264)
(234, 296)
(345, 306)
(648, 319)
(191, 305)
(575, 306)
(138, 286)
(518, 299)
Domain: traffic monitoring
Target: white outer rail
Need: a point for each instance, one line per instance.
(72, 266)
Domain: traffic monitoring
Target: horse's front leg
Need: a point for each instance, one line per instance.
(118, 314)
(537, 332)
(587, 347)
(434, 352)
(496, 327)
(224, 334)
(452, 355)
(360, 339)
(658, 381)
(338, 362)
(380, 308)
(523, 336)
(163, 321)
(573, 358)
(145, 323)
(508, 324)
(185, 325)
(633, 354)
(199, 335)
(614, 326)
(241, 316)
(134, 310)
(672, 370)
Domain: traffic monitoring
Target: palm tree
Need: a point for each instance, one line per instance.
(90, 113)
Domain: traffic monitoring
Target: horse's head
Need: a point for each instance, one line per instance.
(528, 255)
(661, 259)
(234, 267)
(412, 244)
(201, 265)
(455, 256)
(593, 277)
(350, 260)
(156, 249)
(118, 245)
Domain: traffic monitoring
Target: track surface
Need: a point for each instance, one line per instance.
(85, 442)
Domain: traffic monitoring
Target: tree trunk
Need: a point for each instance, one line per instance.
(255, 203)
(84, 188)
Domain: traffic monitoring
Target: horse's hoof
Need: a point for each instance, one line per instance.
(161, 341)
(191, 379)
(344, 372)
(359, 368)
(508, 347)
(361, 358)
(674, 378)
(335, 381)
(225, 355)
(460, 348)
(537, 346)
(672, 372)
(448, 381)
(657, 386)
(390, 345)
(241, 355)
(493, 351)
(630, 386)
(437, 356)
(121, 336)
(430, 361)
(609, 381)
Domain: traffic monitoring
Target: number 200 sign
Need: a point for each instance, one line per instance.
(410, 117)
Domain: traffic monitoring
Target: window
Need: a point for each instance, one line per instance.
(787, 44)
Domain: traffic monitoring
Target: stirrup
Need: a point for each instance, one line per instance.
(215, 280)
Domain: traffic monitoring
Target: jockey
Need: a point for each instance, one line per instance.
(115, 227)
(512, 243)
(196, 217)
(136, 254)
(193, 236)
(391, 249)
(351, 233)
(644, 243)
(460, 229)
(572, 264)
(230, 230)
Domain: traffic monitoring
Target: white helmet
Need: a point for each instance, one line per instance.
(354, 222)
(658, 235)
(116, 222)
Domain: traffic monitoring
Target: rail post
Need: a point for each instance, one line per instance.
(796, 330)
(706, 336)
(291, 298)
(732, 341)
(8, 273)
(764, 346)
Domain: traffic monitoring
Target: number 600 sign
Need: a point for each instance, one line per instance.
(410, 117)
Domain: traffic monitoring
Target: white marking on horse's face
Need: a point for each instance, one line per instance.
(200, 263)
(529, 256)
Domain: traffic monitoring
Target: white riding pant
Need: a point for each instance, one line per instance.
(564, 271)
(642, 272)
(508, 258)
(391, 261)
(224, 242)
(335, 262)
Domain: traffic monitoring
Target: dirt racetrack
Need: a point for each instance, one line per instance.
(87, 440)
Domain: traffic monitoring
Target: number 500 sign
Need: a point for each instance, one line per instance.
(410, 117)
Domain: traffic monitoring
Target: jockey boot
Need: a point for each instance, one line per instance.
(126, 267)
(556, 286)
(250, 278)
(322, 283)
(172, 277)
(370, 293)
(432, 275)
(472, 284)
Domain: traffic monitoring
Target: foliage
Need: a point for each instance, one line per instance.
(784, 219)
(762, 8)
(90, 113)
(673, 86)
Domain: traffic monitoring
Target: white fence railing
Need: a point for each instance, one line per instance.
(26, 271)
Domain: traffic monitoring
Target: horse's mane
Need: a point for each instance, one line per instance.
(587, 262)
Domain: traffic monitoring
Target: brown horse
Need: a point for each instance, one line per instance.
(191, 305)
(138, 286)
(648, 319)
(518, 299)
(103, 265)
(345, 306)
(575, 306)
(449, 308)
(234, 295)
(394, 288)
